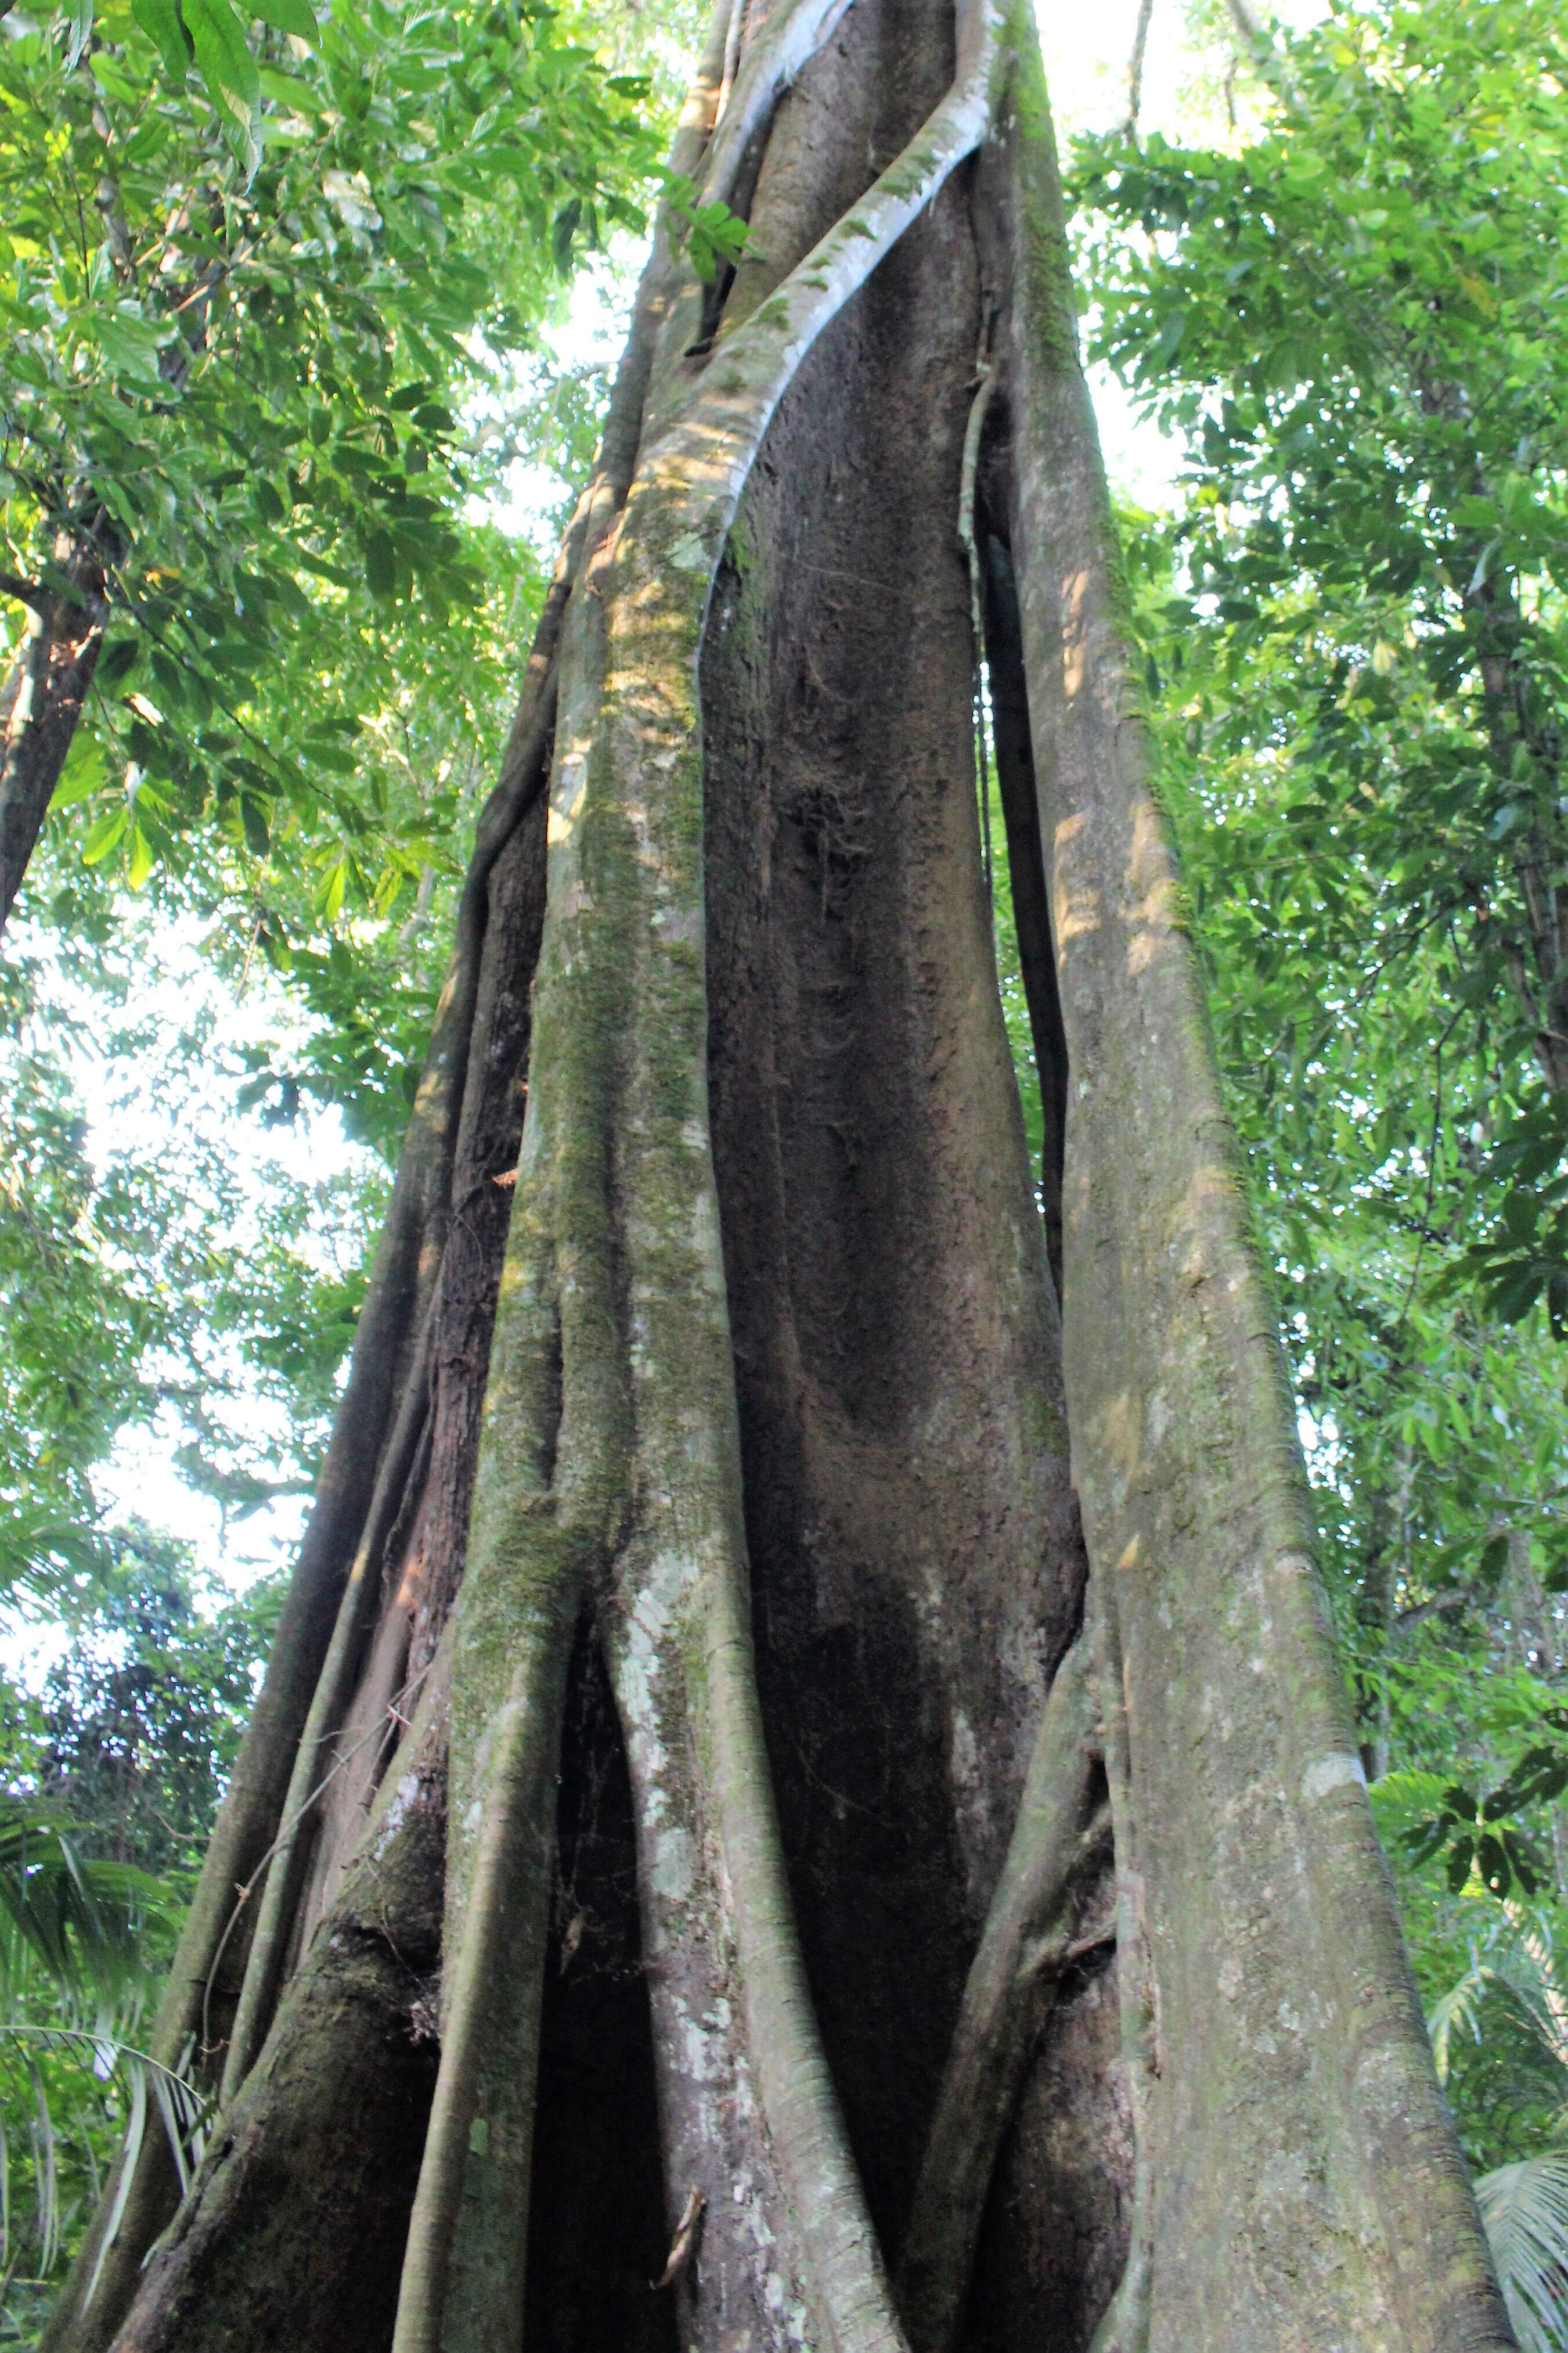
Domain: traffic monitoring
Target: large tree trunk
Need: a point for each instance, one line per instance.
(866, 1912)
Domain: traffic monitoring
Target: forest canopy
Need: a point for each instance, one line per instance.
(299, 379)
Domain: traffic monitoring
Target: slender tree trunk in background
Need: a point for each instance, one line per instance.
(1135, 66)
(710, 1818)
(41, 701)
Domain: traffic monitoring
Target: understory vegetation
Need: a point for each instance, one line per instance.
(283, 307)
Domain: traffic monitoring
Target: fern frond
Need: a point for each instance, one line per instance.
(1525, 2209)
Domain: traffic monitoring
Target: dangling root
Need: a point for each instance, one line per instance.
(398, 1470)
(547, 1506)
(1058, 1841)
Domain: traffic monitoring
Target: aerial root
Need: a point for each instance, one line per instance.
(1059, 1843)
(285, 1869)
(788, 42)
(470, 2209)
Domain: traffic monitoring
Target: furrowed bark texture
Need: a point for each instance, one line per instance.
(704, 1497)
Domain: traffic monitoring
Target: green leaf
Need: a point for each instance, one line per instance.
(140, 863)
(82, 774)
(253, 817)
(1513, 1298)
(103, 836)
(381, 564)
(330, 894)
(1422, 1841)
(162, 22)
(78, 16)
(1493, 1864)
(295, 16)
(228, 69)
(1524, 2208)
(115, 664)
(1522, 1862)
(562, 230)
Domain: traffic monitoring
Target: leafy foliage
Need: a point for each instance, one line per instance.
(1353, 632)
(1359, 346)
(79, 1918)
(234, 387)
(715, 238)
(111, 1774)
(136, 1726)
(152, 1272)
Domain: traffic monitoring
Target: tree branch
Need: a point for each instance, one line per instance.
(1445, 1605)
(25, 592)
(1248, 26)
(1257, 45)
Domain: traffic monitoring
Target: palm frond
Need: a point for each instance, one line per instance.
(1525, 2209)
(1528, 1964)
(104, 2078)
(1458, 2011)
(41, 1551)
(83, 1920)
(1515, 1966)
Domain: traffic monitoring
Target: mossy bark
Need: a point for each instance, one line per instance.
(773, 1449)
(1305, 2182)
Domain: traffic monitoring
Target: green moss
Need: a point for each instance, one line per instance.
(1042, 224)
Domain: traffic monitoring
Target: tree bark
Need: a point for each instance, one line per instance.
(733, 1626)
(41, 702)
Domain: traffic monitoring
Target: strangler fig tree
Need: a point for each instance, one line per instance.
(726, 1856)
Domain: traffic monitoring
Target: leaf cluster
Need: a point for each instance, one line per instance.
(235, 387)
